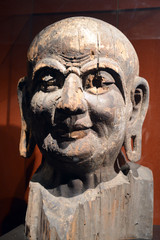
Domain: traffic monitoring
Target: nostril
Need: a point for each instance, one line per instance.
(59, 116)
(66, 111)
(72, 105)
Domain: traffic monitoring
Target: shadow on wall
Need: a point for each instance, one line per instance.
(15, 173)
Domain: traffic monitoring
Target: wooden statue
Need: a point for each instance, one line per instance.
(81, 102)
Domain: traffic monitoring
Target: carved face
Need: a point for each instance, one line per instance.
(78, 114)
(79, 105)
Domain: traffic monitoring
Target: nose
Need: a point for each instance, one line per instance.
(72, 99)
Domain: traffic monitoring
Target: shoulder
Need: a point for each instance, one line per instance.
(140, 171)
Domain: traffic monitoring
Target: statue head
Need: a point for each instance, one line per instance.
(82, 99)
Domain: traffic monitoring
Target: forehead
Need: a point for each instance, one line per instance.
(80, 40)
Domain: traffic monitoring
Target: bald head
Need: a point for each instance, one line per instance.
(83, 39)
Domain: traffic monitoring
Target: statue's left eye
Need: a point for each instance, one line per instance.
(98, 82)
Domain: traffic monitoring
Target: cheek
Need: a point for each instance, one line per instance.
(108, 107)
(44, 101)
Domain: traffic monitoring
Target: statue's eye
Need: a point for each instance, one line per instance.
(98, 82)
(49, 83)
(49, 80)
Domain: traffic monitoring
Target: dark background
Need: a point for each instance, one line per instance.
(20, 21)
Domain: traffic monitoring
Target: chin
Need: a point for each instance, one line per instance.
(85, 161)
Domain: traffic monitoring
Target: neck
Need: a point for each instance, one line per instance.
(65, 184)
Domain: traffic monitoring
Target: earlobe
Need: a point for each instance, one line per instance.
(140, 99)
(27, 142)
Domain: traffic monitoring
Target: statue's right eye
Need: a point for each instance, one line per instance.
(49, 80)
(49, 83)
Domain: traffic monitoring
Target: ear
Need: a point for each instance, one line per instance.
(27, 142)
(140, 99)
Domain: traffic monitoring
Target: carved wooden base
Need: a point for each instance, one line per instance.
(119, 209)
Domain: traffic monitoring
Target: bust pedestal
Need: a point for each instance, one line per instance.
(119, 209)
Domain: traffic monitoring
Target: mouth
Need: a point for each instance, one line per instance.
(75, 134)
(64, 134)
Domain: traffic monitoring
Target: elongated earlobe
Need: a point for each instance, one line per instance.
(133, 137)
(27, 142)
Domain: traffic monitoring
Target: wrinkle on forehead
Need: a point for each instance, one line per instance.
(82, 39)
(70, 38)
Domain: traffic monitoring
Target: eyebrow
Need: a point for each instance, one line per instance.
(102, 63)
(49, 63)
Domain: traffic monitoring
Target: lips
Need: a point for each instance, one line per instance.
(75, 134)
(65, 134)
